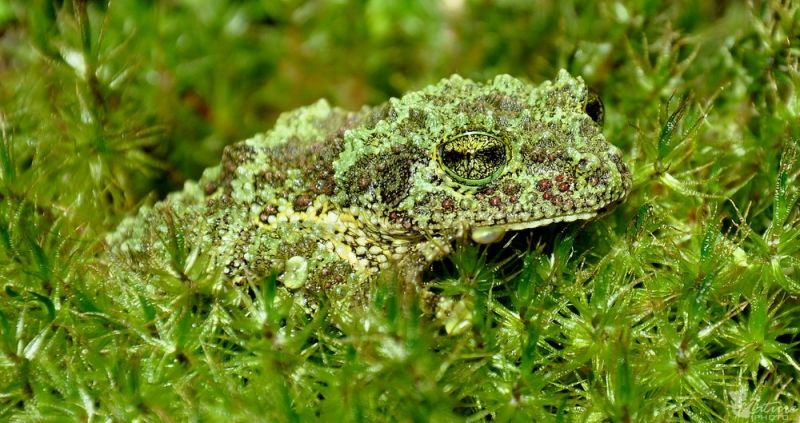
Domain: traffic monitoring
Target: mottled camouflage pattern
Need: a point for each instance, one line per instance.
(329, 197)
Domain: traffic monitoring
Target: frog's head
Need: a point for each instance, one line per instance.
(491, 157)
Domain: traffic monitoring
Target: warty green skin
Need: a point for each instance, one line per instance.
(328, 198)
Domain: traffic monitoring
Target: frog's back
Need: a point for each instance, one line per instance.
(266, 208)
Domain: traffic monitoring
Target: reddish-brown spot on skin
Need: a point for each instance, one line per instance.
(551, 157)
(555, 199)
(323, 186)
(537, 156)
(210, 188)
(363, 183)
(544, 185)
(395, 216)
(563, 187)
(495, 201)
(548, 196)
(448, 204)
(482, 194)
(273, 178)
(269, 210)
(302, 201)
(511, 189)
(559, 178)
(513, 199)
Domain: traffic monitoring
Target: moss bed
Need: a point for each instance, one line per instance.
(681, 304)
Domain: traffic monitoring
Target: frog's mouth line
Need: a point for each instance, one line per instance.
(493, 233)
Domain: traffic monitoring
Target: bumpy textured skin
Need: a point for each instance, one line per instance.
(328, 197)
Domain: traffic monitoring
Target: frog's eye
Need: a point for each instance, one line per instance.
(594, 107)
(474, 158)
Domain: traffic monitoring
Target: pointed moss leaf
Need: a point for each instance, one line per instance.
(148, 311)
(644, 215)
(529, 347)
(563, 245)
(600, 287)
(40, 258)
(11, 292)
(467, 259)
(269, 288)
(175, 241)
(85, 302)
(625, 385)
(6, 333)
(7, 170)
(84, 27)
(786, 195)
(698, 301)
(48, 304)
(524, 293)
(181, 334)
(708, 248)
(32, 349)
(664, 139)
(757, 322)
(5, 236)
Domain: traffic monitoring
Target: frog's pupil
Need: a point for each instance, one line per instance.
(473, 158)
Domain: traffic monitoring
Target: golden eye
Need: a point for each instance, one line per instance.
(474, 158)
(594, 107)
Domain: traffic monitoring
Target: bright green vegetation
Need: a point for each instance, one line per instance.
(683, 303)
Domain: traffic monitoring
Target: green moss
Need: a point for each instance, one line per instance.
(680, 304)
